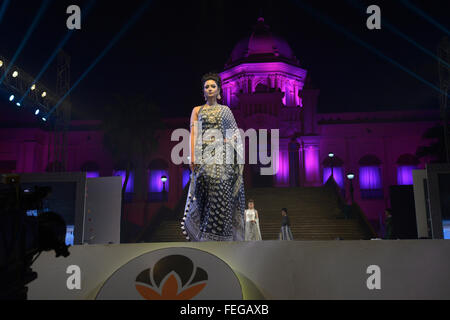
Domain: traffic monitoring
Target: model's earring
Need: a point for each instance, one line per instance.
(219, 97)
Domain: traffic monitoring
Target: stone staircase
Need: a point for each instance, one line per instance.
(313, 212)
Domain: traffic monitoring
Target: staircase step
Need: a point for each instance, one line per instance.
(313, 215)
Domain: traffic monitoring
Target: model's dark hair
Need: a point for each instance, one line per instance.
(284, 209)
(212, 76)
(251, 200)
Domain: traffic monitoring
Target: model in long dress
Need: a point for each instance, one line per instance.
(215, 206)
(285, 232)
(252, 230)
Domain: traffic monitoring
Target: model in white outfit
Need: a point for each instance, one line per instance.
(252, 231)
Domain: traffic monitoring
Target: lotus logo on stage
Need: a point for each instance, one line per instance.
(172, 278)
(176, 273)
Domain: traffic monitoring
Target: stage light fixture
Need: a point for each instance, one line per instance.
(18, 104)
(350, 176)
(43, 94)
(33, 87)
(163, 178)
(11, 97)
(1, 63)
(331, 154)
(44, 119)
(36, 112)
(15, 74)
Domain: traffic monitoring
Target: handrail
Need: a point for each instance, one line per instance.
(355, 208)
(163, 213)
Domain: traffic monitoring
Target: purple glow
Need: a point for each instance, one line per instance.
(404, 175)
(130, 183)
(92, 174)
(312, 164)
(370, 177)
(186, 176)
(154, 181)
(282, 173)
(337, 175)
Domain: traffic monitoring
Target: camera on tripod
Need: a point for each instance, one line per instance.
(22, 237)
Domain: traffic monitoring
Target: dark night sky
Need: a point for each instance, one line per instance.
(165, 53)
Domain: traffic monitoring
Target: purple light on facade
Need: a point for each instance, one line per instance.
(370, 177)
(404, 175)
(130, 183)
(282, 175)
(186, 176)
(337, 175)
(154, 180)
(92, 174)
(312, 164)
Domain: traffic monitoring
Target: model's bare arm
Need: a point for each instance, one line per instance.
(193, 128)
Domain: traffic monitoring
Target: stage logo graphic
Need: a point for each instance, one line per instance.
(176, 273)
(172, 278)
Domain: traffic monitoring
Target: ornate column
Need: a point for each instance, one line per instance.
(281, 165)
(312, 162)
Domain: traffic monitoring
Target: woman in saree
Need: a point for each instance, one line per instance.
(215, 205)
(252, 230)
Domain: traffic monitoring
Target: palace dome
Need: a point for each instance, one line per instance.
(261, 45)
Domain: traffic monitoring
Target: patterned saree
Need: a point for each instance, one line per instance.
(215, 205)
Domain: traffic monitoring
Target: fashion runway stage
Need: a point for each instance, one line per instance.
(353, 269)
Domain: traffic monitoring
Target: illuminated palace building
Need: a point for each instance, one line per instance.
(266, 88)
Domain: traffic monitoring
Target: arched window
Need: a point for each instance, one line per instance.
(157, 188)
(120, 171)
(370, 177)
(261, 87)
(338, 172)
(406, 163)
(91, 168)
(186, 175)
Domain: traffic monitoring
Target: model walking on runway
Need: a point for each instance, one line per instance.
(252, 231)
(285, 233)
(215, 206)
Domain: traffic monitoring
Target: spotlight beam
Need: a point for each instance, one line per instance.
(27, 36)
(350, 35)
(116, 38)
(400, 34)
(3, 9)
(424, 15)
(55, 52)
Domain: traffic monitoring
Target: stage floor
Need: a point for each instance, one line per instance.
(353, 269)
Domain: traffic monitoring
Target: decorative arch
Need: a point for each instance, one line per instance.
(369, 160)
(158, 189)
(370, 182)
(120, 170)
(91, 168)
(335, 161)
(158, 164)
(261, 87)
(338, 171)
(408, 159)
(406, 163)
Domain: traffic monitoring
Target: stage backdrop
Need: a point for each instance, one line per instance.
(366, 269)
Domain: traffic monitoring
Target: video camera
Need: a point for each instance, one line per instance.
(23, 236)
